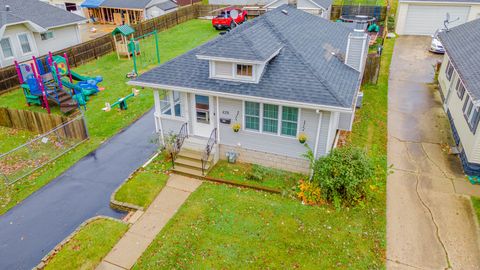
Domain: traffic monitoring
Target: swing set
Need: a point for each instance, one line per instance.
(134, 49)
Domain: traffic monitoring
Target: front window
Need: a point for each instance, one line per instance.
(252, 115)
(6, 47)
(169, 100)
(460, 89)
(289, 121)
(24, 43)
(471, 113)
(47, 35)
(449, 71)
(270, 118)
(245, 70)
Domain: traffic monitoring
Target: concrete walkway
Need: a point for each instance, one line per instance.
(430, 222)
(35, 226)
(136, 240)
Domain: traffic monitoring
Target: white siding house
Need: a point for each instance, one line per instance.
(25, 34)
(459, 83)
(283, 85)
(424, 17)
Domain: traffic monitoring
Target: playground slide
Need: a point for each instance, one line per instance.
(87, 91)
(78, 77)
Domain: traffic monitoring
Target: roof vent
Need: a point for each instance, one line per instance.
(7, 8)
(284, 11)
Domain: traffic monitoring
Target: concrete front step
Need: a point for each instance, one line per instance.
(194, 163)
(187, 170)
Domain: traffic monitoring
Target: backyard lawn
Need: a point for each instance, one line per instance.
(103, 125)
(226, 227)
(256, 175)
(88, 247)
(145, 184)
(476, 207)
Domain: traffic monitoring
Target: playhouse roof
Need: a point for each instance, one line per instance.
(124, 30)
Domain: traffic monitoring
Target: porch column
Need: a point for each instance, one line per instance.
(157, 114)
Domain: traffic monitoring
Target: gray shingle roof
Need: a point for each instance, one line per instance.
(40, 13)
(305, 70)
(257, 43)
(166, 5)
(462, 46)
(127, 4)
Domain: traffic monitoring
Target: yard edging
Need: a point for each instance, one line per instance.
(249, 186)
(67, 239)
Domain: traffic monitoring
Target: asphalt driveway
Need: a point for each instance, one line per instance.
(32, 228)
(430, 222)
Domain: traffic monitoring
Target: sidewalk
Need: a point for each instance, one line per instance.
(127, 251)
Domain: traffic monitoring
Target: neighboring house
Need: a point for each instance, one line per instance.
(121, 12)
(459, 80)
(68, 5)
(321, 8)
(33, 28)
(240, 2)
(424, 17)
(271, 77)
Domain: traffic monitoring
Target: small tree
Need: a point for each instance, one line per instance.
(342, 175)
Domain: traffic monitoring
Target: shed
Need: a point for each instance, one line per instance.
(121, 45)
(424, 17)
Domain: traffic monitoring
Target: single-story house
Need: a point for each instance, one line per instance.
(33, 28)
(256, 90)
(459, 81)
(321, 8)
(424, 17)
(68, 5)
(121, 12)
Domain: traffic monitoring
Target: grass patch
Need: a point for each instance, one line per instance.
(476, 207)
(221, 227)
(145, 184)
(87, 248)
(12, 138)
(102, 125)
(255, 174)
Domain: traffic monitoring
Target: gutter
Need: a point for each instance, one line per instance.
(241, 97)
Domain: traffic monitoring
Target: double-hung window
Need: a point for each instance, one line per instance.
(24, 43)
(46, 35)
(271, 119)
(252, 115)
(169, 100)
(289, 121)
(449, 70)
(460, 89)
(471, 113)
(244, 70)
(6, 47)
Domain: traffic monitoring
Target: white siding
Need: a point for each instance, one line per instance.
(345, 121)
(63, 37)
(12, 33)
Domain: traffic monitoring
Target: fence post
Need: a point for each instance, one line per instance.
(84, 121)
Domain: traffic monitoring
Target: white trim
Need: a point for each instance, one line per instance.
(320, 115)
(279, 120)
(11, 49)
(158, 114)
(241, 97)
(29, 43)
(232, 60)
(329, 135)
(217, 111)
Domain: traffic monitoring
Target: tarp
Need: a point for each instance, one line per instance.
(91, 3)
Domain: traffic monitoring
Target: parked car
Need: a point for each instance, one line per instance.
(225, 21)
(436, 46)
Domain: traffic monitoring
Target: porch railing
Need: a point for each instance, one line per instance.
(208, 149)
(177, 144)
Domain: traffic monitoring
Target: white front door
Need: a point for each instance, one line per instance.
(202, 115)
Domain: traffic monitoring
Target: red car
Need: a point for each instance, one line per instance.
(225, 21)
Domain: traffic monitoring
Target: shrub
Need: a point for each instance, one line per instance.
(342, 175)
(309, 193)
(257, 173)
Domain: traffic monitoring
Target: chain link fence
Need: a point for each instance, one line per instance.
(33, 155)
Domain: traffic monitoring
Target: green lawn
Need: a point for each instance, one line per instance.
(12, 138)
(145, 184)
(476, 206)
(87, 248)
(103, 125)
(222, 227)
(243, 173)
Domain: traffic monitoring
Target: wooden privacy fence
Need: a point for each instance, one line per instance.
(40, 123)
(90, 50)
(372, 69)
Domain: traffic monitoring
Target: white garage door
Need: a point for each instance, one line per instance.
(425, 20)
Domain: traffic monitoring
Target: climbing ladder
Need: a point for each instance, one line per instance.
(58, 95)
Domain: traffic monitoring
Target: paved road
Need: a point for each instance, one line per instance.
(34, 227)
(430, 223)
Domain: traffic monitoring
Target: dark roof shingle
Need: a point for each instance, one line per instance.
(305, 70)
(462, 46)
(40, 13)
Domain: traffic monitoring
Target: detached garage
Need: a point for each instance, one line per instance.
(418, 17)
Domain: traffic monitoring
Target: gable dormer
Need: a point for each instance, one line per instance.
(236, 71)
